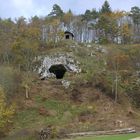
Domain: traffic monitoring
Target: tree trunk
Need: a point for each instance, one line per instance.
(26, 93)
(116, 88)
(116, 81)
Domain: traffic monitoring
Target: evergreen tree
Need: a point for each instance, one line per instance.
(56, 11)
(89, 15)
(135, 14)
(105, 8)
(94, 13)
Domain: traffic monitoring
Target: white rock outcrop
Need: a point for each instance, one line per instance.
(67, 60)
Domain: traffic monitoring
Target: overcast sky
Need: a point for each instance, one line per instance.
(28, 8)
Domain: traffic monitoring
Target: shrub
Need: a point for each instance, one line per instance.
(103, 82)
(9, 79)
(132, 89)
(6, 112)
(103, 40)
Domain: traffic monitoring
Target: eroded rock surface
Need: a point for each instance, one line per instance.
(67, 60)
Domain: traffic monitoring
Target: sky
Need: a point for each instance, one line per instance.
(29, 8)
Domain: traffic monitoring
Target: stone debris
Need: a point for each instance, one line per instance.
(66, 83)
(101, 49)
(89, 46)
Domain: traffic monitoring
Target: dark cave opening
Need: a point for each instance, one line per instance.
(59, 70)
(67, 37)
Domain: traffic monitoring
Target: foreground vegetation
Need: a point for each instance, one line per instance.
(117, 137)
(90, 103)
(111, 137)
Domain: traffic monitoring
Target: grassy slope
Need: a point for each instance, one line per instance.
(57, 99)
(116, 137)
(112, 137)
(29, 116)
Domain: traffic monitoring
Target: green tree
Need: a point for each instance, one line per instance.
(55, 34)
(25, 45)
(24, 52)
(27, 79)
(109, 29)
(105, 8)
(132, 82)
(94, 13)
(56, 11)
(134, 54)
(90, 15)
(126, 33)
(68, 17)
(118, 64)
(107, 25)
(21, 26)
(87, 15)
(135, 14)
(7, 36)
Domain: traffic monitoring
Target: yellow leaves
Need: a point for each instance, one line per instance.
(55, 32)
(55, 22)
(67, 17)
(123, 61)
(118, 59)
(2, 97)
(33, 32)
(6, 112)
(117, 14)
(115, 25)
(114, 16)
(126, 30)
(60, 35)
(121, 57)
(27, 80)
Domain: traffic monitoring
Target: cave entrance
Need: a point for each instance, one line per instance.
(59, 70)
(67, 37)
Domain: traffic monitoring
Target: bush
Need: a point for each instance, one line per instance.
(9, 79)
(132, 89)
(6, 112)
(103, 40)
(103, 82)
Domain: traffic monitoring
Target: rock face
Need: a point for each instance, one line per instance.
(66, 60)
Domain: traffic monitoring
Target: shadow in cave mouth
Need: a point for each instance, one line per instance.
(59, 70)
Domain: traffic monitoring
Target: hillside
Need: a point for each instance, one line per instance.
(65, 73)
(86, 105)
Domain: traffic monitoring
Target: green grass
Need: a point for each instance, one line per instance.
(65, 113)
(29, 119)
(20, 138)
(112, 137)
(90, 65)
